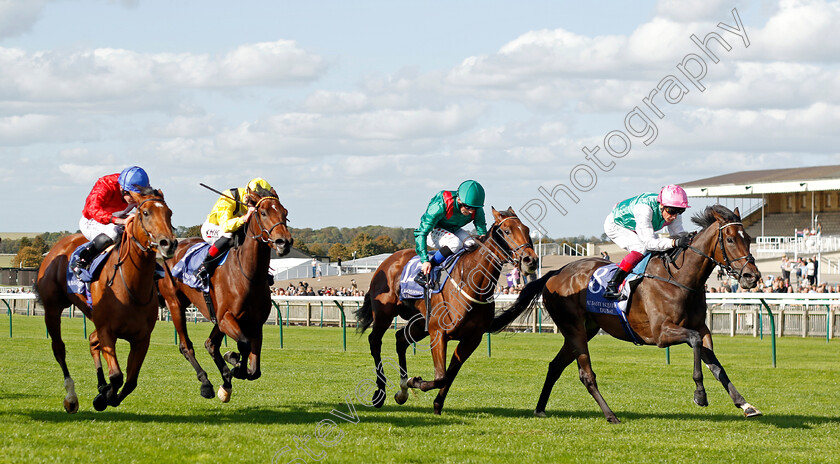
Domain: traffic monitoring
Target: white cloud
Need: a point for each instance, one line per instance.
(17, 17)
(692, 10)
(801, 30)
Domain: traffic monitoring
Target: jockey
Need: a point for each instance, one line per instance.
(632, 223)
(441, 226)
(106, 210)
(229, 214)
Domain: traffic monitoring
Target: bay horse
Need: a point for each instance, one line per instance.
(463, 310)
(124, 298)
(666, 309)
(239, 291)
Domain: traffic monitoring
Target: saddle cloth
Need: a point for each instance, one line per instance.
(595, 301)
(411, 290)
(185, 268)
(81, 285)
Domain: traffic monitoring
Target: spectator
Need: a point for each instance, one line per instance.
(785, 267)
(811, 272)
(339, 267)
(318, 271)
(314, 266)
(515, 275)
(605, 255)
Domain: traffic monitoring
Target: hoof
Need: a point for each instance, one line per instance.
(232, 358)
(207, 390)
(378, 399)
(750, 410)
(100, 402)
(71, 407)
(255, 375)
(414, 382)
(224, 395)
(701, 401)
(613, 420)
(539, 414)
(401, 397)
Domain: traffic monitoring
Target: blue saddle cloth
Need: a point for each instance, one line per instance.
(185, 268)
(82, 285)
(596, 303)
(411, 290)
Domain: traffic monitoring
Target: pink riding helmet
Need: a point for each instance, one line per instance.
(674, 196)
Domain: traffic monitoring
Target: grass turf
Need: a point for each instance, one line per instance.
(487, 417)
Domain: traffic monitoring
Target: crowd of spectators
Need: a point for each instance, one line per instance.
(304, 289)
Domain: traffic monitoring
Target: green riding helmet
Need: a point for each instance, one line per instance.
(471, 194)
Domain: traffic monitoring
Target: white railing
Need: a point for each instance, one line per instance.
(809, 244)
(577, 250)
(795, 314)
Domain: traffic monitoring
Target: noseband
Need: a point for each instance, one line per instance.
(514, 252)
(727, 264)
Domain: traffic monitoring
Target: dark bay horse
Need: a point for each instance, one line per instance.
(462, 311)
(124, 298)
(239, 291)
(666, 310)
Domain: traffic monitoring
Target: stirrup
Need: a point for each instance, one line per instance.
(202, 275)
(79, 266)
(613, 294)
(427, 281)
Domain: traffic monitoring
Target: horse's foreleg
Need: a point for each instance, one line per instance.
(578, 339)
(708, 355)
(411, 333)
(230, 326)
(212, 346)
(136, 355)
(462, 352)
(93, 341)
(439, 360)
(108, 394)
(254, 357)
(672, 334)
(52, 319)
(375, 341)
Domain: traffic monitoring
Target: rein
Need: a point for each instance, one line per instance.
(265, 234)
(122, 257)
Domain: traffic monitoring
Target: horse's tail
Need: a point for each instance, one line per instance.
(35, 292)
(364, 315)
(526, 298)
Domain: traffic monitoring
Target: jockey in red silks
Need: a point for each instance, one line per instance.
(106, 211)
(632, 225)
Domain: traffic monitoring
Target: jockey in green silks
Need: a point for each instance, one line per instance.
(441, 226)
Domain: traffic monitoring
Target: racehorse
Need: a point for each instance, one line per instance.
(239, 292)
(124, 299)
(463, 310)
(666, 309)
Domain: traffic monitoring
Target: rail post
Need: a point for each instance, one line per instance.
(9, 308)
(772, 330)
(343, 322)
(279, 322)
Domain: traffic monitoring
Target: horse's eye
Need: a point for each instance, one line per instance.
(146, 213)
(729, 240)
(262, 213)
(507, 232)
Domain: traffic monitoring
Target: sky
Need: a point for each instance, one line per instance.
(359, 112)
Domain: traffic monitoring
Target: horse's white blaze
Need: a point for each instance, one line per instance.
(741, 233)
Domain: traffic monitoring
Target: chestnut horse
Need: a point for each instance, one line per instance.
(463, 310)
(124, 299)
(239, 291)
(667, 308)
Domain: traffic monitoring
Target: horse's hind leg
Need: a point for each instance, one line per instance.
(230, 326)
(555, 368)
(578, 338)
(254, 358)
(413, 332)
(380, 326)
(93, 340)
(462, 352)
(708, 355)
(52, 319)
(176, 310)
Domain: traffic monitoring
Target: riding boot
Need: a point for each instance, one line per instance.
(211, 261)
(612, 292)
(91, 251)
(436, 259)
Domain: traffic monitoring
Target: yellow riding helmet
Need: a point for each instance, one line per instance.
(258, 182)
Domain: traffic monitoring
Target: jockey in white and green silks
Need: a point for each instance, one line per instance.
(441, 225)
(632, 225)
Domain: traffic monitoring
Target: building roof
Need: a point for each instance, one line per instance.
(755, 183)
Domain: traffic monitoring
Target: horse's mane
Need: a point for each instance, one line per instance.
(706, 218)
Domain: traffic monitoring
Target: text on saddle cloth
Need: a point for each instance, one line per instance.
(596, 303)
(411, 290)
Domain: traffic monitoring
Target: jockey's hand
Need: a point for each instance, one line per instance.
(682, 241)
(248, 214)
(120, 221)
(426, 267)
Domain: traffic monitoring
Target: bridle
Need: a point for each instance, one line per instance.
(514, 252)
(151, 243)
(727, 264)
(265, 234)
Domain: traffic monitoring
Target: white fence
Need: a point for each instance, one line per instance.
(809, 244)
(795, 314)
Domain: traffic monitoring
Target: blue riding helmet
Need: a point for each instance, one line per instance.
(133, 179)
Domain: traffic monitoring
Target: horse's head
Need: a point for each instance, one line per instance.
(514, 238)
(152, 225)
(269, 219)
(731, 246)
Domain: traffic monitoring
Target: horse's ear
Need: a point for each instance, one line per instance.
(159, 193)
(510, 211)
(738, 214)
(274, 193)
(249, 198)
(496, 214)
